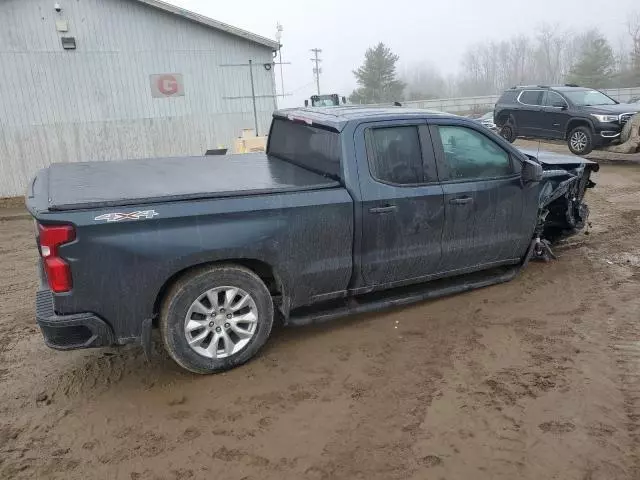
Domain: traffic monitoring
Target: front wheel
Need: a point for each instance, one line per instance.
(216, 318)
(580, 141)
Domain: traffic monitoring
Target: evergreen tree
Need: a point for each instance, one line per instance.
(595, 63)
(377, 77)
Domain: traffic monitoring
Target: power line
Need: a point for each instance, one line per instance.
(317, 70)
(302, 87)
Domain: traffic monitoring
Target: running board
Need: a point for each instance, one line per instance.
(401, 296)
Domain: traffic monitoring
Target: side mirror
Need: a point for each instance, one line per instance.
(306, 103)
(344, 100)
(531, 172)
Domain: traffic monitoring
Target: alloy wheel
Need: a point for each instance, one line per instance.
(221, 322)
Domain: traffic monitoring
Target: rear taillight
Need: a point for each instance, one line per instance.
(57, 270)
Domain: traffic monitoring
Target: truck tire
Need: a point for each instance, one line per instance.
(509, 130)
(216, 318)
(580, 141)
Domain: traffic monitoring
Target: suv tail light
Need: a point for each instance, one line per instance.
(57, 270)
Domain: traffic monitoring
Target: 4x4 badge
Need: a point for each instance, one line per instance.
(116, 217)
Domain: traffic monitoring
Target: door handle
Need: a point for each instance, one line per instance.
(460, 201)
(385, 209)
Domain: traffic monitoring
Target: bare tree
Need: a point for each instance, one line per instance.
(423, 81)
(633, 27)
(551, 56)
(553, 53)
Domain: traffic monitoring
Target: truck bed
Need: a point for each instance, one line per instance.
(72, 186)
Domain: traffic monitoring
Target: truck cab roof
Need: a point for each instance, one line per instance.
(336, 118)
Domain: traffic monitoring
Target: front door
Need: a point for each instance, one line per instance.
(401, 200)
(488, 217)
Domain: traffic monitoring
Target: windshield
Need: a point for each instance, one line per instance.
(588, 98)
(323, 102)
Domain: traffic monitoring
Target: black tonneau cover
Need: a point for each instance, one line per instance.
(104, 184)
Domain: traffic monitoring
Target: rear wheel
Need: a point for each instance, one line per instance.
(580, 141)
(216, 318)
(508, 131)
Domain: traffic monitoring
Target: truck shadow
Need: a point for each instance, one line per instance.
(91, 373)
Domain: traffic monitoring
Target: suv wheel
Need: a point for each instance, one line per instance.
(508, 131)
(580, 141)
(216, 318)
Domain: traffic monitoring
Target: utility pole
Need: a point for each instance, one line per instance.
(253, 97)
(317, 70)
(279, 30)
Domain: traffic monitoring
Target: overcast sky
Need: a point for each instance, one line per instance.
(431, 31)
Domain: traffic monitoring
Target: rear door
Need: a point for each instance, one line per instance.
(556, 115)
(529, 116)
(487, 217)
(401, 202)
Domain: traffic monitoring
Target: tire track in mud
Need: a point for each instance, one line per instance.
(488, 384)
(625, 346)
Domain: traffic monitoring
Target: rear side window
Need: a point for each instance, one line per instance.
(310, 147)
(531, 97)
(395, 155)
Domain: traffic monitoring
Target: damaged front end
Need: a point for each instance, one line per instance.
(562, 211)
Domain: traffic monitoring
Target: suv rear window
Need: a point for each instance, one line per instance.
(531, 97)
(310, 147)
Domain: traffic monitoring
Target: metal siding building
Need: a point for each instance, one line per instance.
(96, 103)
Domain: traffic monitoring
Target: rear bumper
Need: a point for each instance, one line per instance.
(70, 332)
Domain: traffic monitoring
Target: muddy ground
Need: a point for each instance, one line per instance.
(534, 379)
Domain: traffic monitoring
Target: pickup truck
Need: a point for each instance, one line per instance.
(351, 209)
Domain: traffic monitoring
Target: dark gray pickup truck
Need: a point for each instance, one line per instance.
(351, 209)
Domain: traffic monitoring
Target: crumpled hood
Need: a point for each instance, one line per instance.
(563, 175)
(562, 160)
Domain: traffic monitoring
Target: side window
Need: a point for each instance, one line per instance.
(554, 99)
(531, 97)
(469, 155)
(394, 154)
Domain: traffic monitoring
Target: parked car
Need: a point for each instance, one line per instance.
(486, 120)
(584, 117)
(351, 209)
